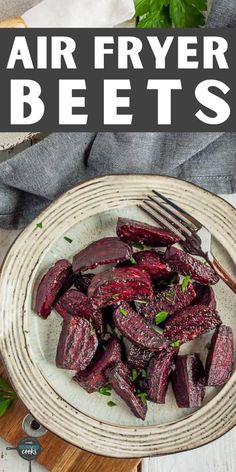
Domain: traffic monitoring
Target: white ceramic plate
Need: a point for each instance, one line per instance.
(28, 343)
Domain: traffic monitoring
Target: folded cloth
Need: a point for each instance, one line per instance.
(34, 178)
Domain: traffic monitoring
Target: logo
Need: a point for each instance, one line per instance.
(28, 449)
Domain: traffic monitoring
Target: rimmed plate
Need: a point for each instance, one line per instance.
(28, 344)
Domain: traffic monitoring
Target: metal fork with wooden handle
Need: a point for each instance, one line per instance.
(170, 216)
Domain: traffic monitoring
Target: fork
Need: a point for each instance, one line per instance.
(171, 217)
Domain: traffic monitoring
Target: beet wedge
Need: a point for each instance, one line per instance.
(158, 372)
(133, 231)
(74, 303)
(103, 251)
(82, 282)
(170, 300)
(184, 263)
(188, 381)
(77, 344)
(93, 378)
(118, 378)
(50, 286)
(220, 359)
(191, 322)
(152, 262)
(137, 330)
(204, 296)
(122, 283)
(137, 357)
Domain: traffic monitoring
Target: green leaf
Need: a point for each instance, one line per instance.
(143, 373)
(39, 225)
(105, 391)
(175, 343)
(132, 260)
(104, 347)
(115, 295)
(157, 5)
(123, 312)
(155, 20)
(142, 302)
(69, 240)
(138, 245)
(143, 397)
(185, 283)
(200, 5)
(6, 391)
(134, 374)
(184, 15)
(160, 317)
(111, 403)
(4, 405)
(141, 7)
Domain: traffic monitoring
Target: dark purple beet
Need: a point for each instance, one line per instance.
(135, 231)
(137, 357)
(188, 381)
(187, 265)
(77, 344)
(74, 303)
(170, 300)
(93, 378)
(159, 369)
(118, 378)
(50, 286)
(103, 251)
(134, 327)
(122, 283)
(82, 282)
(191, 322)
(204, 296)
(151, 262)
(220, 359)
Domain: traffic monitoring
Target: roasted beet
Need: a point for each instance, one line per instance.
(170, 300)
(186, 264)
(122, 283)
(204, 296)
(188, 381)
(75, 303)
(82, 282)
(137, 330)
(103, 251)
(220, 359)
(190, 322)
(93, 378)
(151, 262)
(50, 286)
(158, 372)
(137, 357)
(135, 231)
(77, 344)
(118, 378)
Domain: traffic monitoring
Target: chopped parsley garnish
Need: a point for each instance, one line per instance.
(39, 225)
(175, 343)
(132, 260)
(115, 295)
(111, 329)
(123, 312)
(143, 397)
(138, 245)
(111, 403)
(141, 301)
(69, 240)
(161, 316)
(185, 283)
(134, 374)
(143, 373)
(104, 347)
(105, 391)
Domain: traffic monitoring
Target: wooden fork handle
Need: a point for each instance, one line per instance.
(13, 22)
(225, 276)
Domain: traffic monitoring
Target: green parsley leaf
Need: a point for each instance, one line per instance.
(132, 260)
(185, 283)
(143, 397)
(160, 317)
(134, 374)
(143, 373)
(175, 343)
(115, 295)
(39, 225)
(111, 403)
(138, 245)
(104, 347)
(141, 7)
(105, 391)
(123, 312)
(4, 405)
(184, 14)
(69, 240)
(142, 302)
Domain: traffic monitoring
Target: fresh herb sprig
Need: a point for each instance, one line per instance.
(170, 13)
(7, 396)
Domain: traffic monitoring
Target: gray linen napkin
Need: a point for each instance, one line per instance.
(34, 178)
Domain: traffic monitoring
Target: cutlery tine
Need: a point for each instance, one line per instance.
(185, 216)
(168, 214)
(160, 220)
